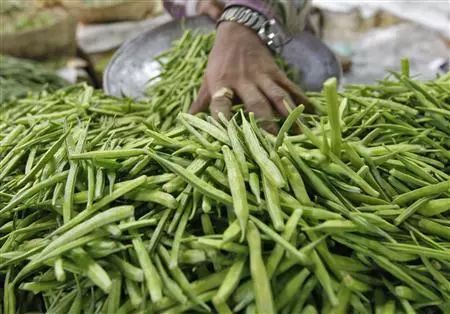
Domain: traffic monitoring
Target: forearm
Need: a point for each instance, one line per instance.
(291, 14)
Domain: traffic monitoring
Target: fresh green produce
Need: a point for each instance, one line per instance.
(106, 207)
(17, 16)
(176, 87)
(9, 6)
(18, 77)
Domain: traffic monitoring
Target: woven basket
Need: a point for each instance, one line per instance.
(121, 11)
(57, 39)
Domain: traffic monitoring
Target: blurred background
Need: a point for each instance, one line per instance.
(77, 38)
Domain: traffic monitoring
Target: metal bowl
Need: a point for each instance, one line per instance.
(133, 63)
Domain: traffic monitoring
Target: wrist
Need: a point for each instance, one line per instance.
(268, 30)
(233, 33)
(234, 29)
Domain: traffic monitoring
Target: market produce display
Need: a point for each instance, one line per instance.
(19, 77)
(31, 30)
(103, 11)
(18, 16)
(105, 207)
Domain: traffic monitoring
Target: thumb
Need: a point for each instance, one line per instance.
(202, 101)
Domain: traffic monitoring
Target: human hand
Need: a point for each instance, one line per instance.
(241, 64)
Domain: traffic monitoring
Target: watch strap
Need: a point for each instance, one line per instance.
(267, 29)
(245, 16)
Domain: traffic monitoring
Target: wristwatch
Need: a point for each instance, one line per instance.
(267, 29)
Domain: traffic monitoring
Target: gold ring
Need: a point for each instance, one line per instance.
(224, 92)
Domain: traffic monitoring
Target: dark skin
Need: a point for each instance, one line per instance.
(241, 62)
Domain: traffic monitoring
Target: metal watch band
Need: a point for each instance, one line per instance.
(267, 29)
(245, 16)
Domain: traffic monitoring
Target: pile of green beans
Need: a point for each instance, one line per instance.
(106, 209)
(19, 77)
(176, 86)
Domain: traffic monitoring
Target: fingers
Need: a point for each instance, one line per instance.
(277, 96)
(295, 91)
(202, 101)
(221, 101)
(255, 101)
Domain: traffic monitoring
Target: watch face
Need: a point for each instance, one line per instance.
(272, 34)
